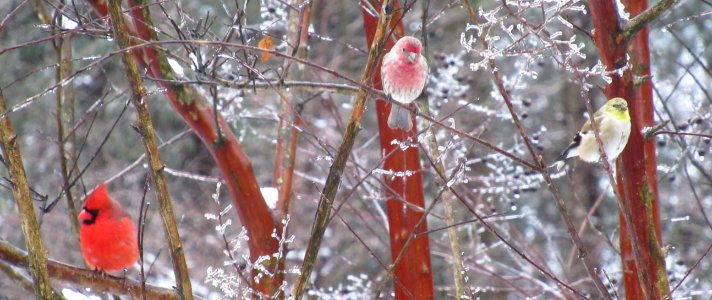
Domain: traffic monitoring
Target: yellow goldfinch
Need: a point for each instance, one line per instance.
(613, 123)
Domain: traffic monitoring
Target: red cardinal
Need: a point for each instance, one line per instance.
(107, 236)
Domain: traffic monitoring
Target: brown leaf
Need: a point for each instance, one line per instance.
(266, 43)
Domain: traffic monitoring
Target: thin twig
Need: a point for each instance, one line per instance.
(64, 97)
(448, 199)
(489, 227)
(334, 177)
(709, 136)
(11, 14)
(18, 278)
(622, 203)
(37, 259)
(411, 237)
(145, 127)
(563, 211)
(692, 268)
(650, 132)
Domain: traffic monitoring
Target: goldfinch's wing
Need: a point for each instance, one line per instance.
(583, 133)
(587, 126)
(598, 116)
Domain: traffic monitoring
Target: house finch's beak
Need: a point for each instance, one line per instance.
(412, 56)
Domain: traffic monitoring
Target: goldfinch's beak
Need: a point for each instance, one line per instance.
(411, 56)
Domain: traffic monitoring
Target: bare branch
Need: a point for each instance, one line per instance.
(331, 186)
(87, 278)
(638, 22)
(145, 125)
(650, 132)
(23, 198)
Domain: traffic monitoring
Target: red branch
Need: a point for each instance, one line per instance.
(648, 224)
(413, 272)
(226, 151)
(639, 185)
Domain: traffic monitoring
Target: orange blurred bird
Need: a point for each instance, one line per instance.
(107, 236)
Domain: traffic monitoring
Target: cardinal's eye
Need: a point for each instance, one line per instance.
(403, 49)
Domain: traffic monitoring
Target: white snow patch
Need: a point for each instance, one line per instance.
(176, 67)
(621, 10)
(68, 23)
(71, 294)
(271, 196)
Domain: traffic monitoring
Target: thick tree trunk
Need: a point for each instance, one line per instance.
(411, 255)
(636, 169)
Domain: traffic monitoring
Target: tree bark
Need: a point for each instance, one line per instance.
(220, 141)
(636, 176)
(413, 271)
(148, 135)
(12, 158)
(333, 179)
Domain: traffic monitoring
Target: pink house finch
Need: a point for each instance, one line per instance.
(404, 73)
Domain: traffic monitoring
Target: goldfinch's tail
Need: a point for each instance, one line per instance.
(558, 164)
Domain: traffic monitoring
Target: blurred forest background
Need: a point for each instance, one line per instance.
(549, 66)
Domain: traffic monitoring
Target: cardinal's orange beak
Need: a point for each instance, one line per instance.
(84, 215)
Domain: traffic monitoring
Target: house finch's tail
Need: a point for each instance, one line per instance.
(400, 118)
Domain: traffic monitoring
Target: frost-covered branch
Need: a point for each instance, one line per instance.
(583, 253)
